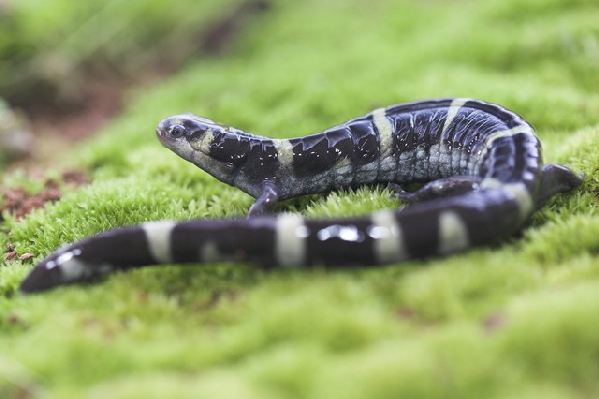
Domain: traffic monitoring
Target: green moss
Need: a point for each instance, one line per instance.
(515, 320)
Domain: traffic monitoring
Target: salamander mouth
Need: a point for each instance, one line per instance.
(160, 135)
(163, 137)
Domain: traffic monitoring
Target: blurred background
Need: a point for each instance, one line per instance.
(65, 65)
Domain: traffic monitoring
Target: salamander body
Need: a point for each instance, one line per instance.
(481, 164)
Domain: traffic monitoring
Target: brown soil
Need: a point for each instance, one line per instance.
(19, 202)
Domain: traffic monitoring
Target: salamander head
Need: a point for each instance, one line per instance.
(192, 138)
(180, 131)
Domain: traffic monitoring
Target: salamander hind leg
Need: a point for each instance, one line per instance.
(447, 187)
(266, 202)
(557, 179)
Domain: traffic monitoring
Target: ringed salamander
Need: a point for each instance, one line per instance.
(481, 164)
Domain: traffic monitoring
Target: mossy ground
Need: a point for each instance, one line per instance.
(520, 319)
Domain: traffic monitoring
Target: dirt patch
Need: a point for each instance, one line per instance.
(18, 202)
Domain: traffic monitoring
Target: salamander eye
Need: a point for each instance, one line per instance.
(177, 131)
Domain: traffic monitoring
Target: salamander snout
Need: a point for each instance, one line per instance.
(170, 129)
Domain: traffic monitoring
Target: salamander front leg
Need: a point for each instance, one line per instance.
(447, 187)
(266, 202)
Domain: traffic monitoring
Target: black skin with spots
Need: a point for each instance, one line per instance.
(482, 141)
